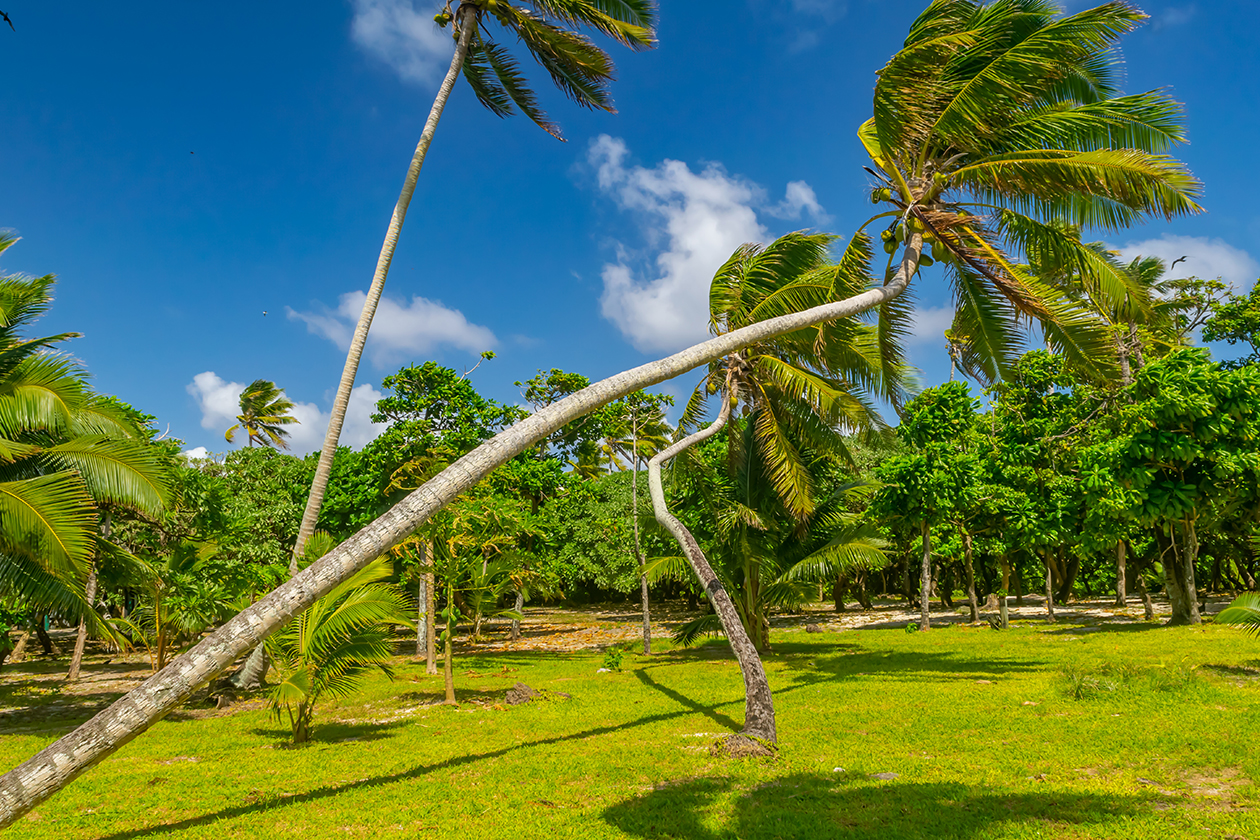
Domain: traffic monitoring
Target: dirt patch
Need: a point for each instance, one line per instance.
(741, 746)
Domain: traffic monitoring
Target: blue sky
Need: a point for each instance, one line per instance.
(184, 168)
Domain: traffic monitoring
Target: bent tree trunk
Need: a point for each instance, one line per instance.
(758, 702)
(322, 472)
(55, 766)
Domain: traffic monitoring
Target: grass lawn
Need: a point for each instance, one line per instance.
(1030, 733)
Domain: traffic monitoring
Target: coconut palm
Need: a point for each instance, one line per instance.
(264, 414)
(64, 452)
(1243, 612)
(998, 132)
(1141, 184)
(575, 64)
(327, 649)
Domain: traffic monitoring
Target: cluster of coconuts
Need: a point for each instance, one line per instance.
(444, 17)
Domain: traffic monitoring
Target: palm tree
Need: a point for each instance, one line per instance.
(1243, 612)
(264, 414)
(575, 64)
(998, 132)
(326, 651)
(65, 452)
(640, 431)
(949, 34)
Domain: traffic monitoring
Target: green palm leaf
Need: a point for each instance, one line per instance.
(1244, 612)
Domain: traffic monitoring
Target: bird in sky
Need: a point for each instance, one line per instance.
(6, 20)
(1179, 259)
(264, 313)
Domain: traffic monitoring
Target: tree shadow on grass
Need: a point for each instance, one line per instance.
(682, 700)
(321, 793)
(810, 806)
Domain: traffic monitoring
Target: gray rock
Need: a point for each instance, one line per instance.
(883, 777)
(521, 693)
(813, 628)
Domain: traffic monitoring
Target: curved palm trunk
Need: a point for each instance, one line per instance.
(322, 472)
(758, 702)
(55, 766)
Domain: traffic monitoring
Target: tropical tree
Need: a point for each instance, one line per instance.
(264, 414)
(1077, 56)
(326, 650)
(640, 431)
(65, 453)
(580, 68)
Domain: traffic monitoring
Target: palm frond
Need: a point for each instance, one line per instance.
(1244, 612)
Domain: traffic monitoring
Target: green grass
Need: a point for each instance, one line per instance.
(1143, 732)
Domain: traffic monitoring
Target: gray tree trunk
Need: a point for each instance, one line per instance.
(758, 702)
(925, 580)
(638, 545)
(55, 766)
(422, 619)
(1121, 583)
(1049, 589)
(971, 577)
(517, 606)
(430, 643)
(467, 25)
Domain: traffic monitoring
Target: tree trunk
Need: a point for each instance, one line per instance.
(971, 577)
(1121, 583)
(55, 766)
(253, 674)
(430, 654)
(1069, 569)
(518, 606)
(925, 579)
(1179, 574)
(758, 703)
(467, 26)
(1049, 586)
(422, 617)
(837, 594)
(41, 633)
(638, 546)
(448, 667)
(80, 640)
(19, 649)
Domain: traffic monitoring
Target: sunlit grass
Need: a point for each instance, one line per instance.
(1037, 732)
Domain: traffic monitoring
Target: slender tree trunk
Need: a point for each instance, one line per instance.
(448, 669)
(638, 545)
(925, 579)
(80, 640)
(19, 649)
(1121, 583)
(467, 25)
(41, 633)
(430, 654)
(759, 719)
(518, 606)
(422, 618)
(55, 766)
(971, 577)
(1179, 574)
(1049, 586)
(837, 593)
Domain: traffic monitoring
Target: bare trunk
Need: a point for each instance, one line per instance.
(518, 605)
(19, 649)
(925, 579)
(55, 766)
(1179, 574)
(80, 641)
(448, 669)
(971, 577)
(1120, 573)
(45, 641)
(422, 619)
(430, 654)
(638, 545)
(1049, 586)
(467, 25)
(758, 703)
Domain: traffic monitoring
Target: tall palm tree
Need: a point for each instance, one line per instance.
(64, 453)
(1141, 184)
(576, 65)
(264, 414)
(999, 131)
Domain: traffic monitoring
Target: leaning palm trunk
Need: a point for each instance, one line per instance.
(322, 472)
(38, 778)
(758, 702)
(925, 580)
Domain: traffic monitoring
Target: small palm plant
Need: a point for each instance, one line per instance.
(326, 651)
(1244, 612)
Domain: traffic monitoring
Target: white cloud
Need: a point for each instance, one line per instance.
(930, 324)
(399, 331)
(196, 453)
(219, 401)
(704, 216)
(402, 34)
(1205, 257)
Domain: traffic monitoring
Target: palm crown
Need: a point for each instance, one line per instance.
(264, 414)
(575, 64)
(998, 132)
